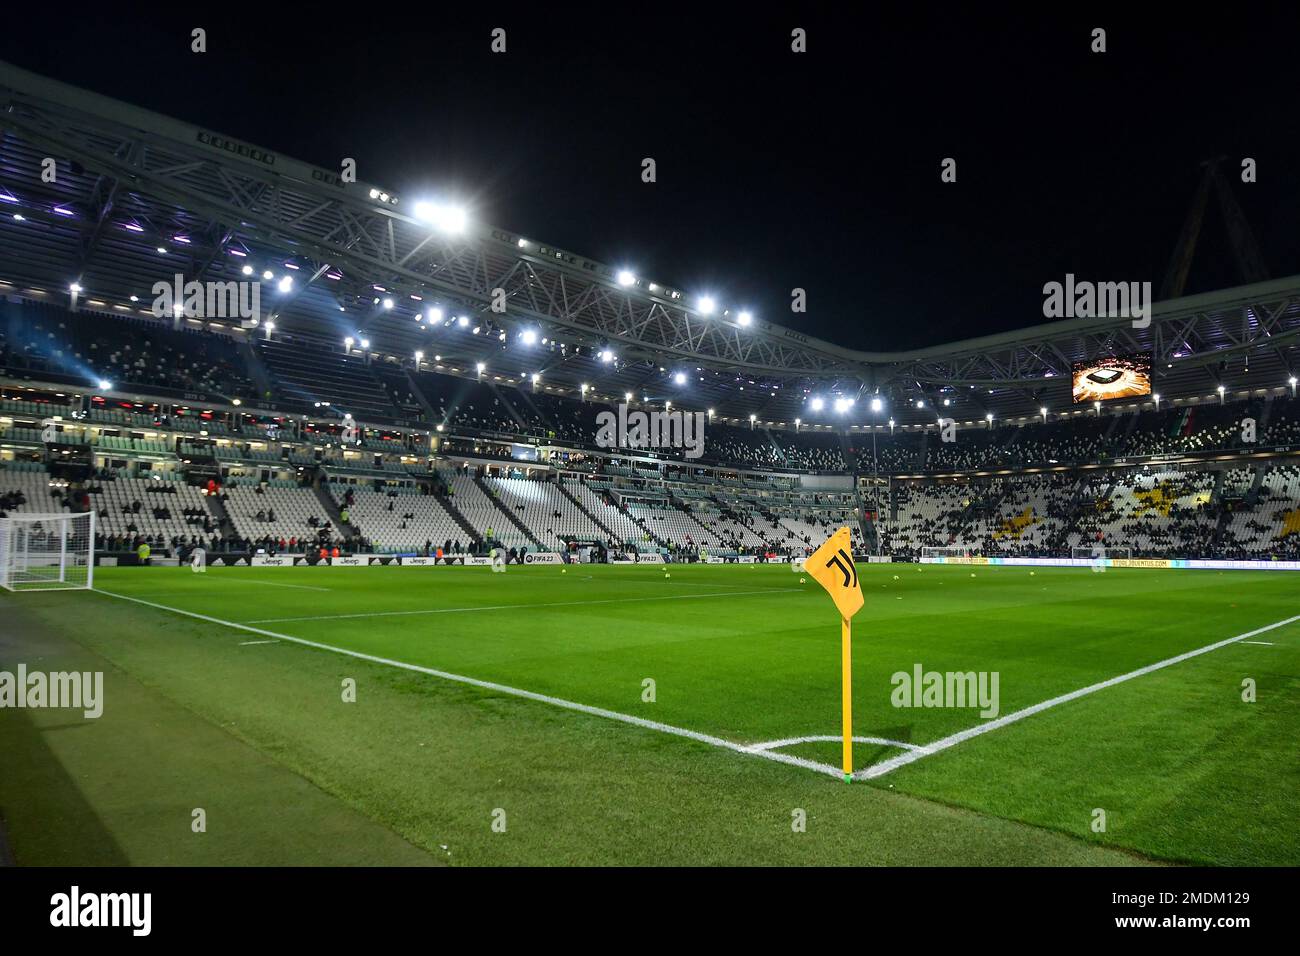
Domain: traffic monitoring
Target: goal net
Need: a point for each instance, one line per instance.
(950, 551)
(1103, 551)
(47, 552)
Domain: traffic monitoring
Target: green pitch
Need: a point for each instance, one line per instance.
(254, 728)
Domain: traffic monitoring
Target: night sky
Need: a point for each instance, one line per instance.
(775, 170)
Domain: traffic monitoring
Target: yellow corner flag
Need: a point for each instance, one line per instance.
(832, 567)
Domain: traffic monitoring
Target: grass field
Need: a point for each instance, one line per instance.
(252, 726)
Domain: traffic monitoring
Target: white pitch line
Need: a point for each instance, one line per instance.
(277, 584)
(505, 689)
(1263, 643)
(251, 643)
(830, 738)
(926, 750)
(509, 607)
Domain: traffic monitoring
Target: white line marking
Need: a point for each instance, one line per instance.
(508, 607)
(251, 643)
(893, 763)
(277, 584)
(830, 738)
(504, 689)
(1264, 643)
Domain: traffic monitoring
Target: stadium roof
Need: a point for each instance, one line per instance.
(138, 197)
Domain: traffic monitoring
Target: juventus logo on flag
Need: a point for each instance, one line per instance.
(832, 567)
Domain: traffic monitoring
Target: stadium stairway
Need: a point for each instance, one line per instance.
(331, 507)
(256, 368)
(846, 449)
(478, 480)
(449, 503)
(220, 515)
(1252, 496)
(578, 504)
(432, 417)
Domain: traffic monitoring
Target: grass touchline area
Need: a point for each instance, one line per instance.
(1186, 769)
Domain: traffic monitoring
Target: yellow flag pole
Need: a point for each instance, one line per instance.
(846, 684)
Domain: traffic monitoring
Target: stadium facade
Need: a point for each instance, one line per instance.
(338, 365)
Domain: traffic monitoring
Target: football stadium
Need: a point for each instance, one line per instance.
(341, 527)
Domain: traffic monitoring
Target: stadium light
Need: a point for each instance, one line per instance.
(445, 217)
(920, 404)
(419, 357)
(247, 270)
(1097, 407)
(989, 418)
(710, 413)
(817, 404)
(435, 315)
(529, 337)
(347, 343)
(877, 404)
(388, 303)
(74, 288)
(707, 304)
(535, 377)
(365, 343)
(606, 356)
(625, 277)
(752, 418)
(627, 396)
(1291, 381)
(481, 367)
(842, 405)
(268, 275)
(463, 321)
(1221, 391)
(680, 378)
(285, 284)
(891, 426)
(1043, 411)
(797, 423)
(744, 318)
(105, 384)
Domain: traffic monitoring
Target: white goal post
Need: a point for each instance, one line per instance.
(47, 552)
(950, 551)
(1106, 551)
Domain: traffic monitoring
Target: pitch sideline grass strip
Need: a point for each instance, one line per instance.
(508, 607)
(927, 750)
(760, 749)
(505, 689)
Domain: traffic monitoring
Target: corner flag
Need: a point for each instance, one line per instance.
(832, 567)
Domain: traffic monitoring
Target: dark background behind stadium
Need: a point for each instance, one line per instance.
(775, 170)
